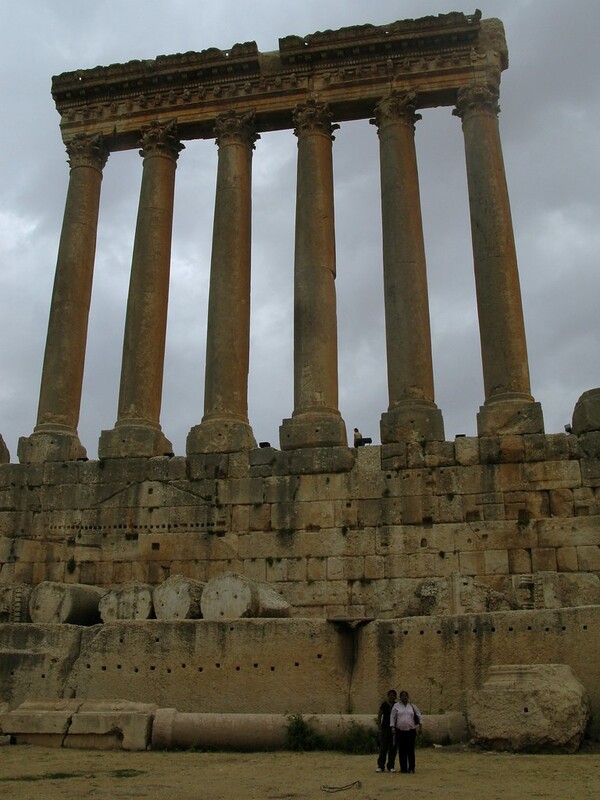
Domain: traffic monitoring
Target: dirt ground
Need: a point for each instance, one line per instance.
(33, 773)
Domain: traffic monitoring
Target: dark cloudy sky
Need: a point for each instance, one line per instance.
(550, 100)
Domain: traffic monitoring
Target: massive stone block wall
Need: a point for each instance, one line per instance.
(293, 666)
(385, 531)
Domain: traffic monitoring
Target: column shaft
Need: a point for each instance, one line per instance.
(316, 420)
(137, 431)
(224, 427)
(509, 406)
(412, 412)
(55, 435)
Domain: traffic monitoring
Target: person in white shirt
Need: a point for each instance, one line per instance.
(405, 721)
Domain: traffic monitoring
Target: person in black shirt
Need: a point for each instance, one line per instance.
(387, 746)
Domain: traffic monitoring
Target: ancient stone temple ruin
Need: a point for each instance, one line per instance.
(216, 580)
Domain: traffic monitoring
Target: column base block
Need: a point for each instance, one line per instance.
(133, 441)
(414, 422)
(312, 430)
(220, 436)
(50, 446)
(510, 416)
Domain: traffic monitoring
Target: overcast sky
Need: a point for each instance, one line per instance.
(550, 101)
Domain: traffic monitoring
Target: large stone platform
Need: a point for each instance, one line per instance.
(442, 527)
(300, 666)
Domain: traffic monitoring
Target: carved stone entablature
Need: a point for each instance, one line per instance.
(350, 70)
(396, 108)
(161, 139)
(161, 72)
(232, 127)
(476, 99)
(87, 151)
(404, 36)
(313, 117)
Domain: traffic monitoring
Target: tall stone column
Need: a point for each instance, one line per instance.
(316, 420)
(412, 412)
(509, 406)
(137, 431)
(55, 435)
(224, 427)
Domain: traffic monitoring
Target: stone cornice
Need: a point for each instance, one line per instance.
(350, 69)
(397, 38)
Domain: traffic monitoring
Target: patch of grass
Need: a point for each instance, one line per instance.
(48, 776)
(126, 773)
(60, 776)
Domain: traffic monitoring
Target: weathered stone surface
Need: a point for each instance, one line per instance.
(589, 446)
(40, 722)
(529, 708)
(43, 446)
(142, 441)
(457, 594)
(293, 665)
(74, 603)
(4, 453)
(14, 602)
(314, 460)
(245, 666)
(129, 601)
(110, 724)
(510, 418)
(178, 598)
(232, 596)
(91, 724)
(586, 414)
(560, 590)
(35, 660)
(483, 520)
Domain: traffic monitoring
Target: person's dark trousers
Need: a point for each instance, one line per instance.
(405, 740)
(387, 749)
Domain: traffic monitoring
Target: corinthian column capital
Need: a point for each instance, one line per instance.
(477, 99)
(161, 139)
(234, 128)
(396, 108)
(87, 151)
(313, 117)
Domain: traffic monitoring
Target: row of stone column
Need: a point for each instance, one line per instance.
(316, 420)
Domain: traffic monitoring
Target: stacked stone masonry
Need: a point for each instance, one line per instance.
(337, 531)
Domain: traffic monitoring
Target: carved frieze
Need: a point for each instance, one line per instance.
(349, 69)
(433, 32)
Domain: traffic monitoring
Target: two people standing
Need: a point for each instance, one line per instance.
(399, 734)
